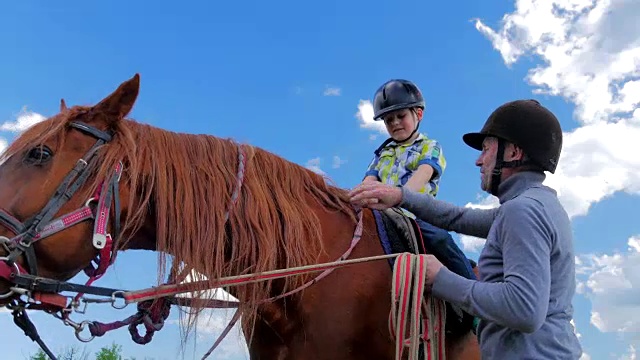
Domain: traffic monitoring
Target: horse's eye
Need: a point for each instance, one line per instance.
(39, 155)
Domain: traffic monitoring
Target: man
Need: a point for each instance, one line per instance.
(527, 268)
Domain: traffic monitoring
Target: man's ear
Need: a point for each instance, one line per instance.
(515, 152)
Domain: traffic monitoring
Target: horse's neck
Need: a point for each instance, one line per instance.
(145, 238)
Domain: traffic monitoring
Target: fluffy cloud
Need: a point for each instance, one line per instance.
(332, 91)
(612, 283)
(590, 55)
(24, 120)
(365, 119)
(598, 160)
(314, 165)
(590, 52)
(338, 162)
(212, 322)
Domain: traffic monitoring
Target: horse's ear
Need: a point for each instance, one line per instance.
(119, 103)
(63, 105)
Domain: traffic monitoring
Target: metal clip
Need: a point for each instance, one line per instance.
(113, 300)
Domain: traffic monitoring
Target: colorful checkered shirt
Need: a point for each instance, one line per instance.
(396, 163)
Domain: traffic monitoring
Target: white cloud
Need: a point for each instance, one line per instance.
(590, 56)
(211, 322)
(612, 283)
(365, 118)
(584, 355)
(337, 162)
(332, 91)
(597, 161)
(24, 120)
(590, 52)
(314, 165)
(631, 355)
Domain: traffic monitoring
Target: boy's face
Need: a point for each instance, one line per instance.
(401, 123)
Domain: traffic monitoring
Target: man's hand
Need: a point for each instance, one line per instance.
(433, 267)
(376, 195)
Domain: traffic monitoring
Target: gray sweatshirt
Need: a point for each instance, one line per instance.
(527, 269)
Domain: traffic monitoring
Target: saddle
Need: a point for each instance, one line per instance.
(399, 233)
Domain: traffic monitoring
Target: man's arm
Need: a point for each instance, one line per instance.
(520, 301)
(474, 222)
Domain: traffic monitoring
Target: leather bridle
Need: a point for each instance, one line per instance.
(43, 224)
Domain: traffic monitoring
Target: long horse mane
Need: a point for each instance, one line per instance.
(189, 180)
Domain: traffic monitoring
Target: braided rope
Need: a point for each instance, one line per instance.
(410, 311)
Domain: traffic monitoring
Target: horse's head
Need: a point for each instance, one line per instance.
(59, 193)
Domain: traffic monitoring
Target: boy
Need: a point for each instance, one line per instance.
(410, 159)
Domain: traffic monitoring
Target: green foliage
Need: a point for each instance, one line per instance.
(39, 355)
(113, 352)
(110, 353)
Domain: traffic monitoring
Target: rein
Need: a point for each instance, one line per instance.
(153, 304)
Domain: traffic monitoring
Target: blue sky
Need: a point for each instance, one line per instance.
(290, 76)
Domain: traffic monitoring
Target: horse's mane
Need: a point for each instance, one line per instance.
(189, 180)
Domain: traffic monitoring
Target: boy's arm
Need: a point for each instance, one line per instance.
(420, 177)
(431, 164)
(372, 170)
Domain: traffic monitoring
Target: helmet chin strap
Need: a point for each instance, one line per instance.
(501, 164)
(410, 135)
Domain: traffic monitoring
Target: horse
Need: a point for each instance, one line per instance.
(88, 182)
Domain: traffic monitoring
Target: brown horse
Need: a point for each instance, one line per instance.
(180, 195)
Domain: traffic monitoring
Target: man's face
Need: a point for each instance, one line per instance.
(487, 161)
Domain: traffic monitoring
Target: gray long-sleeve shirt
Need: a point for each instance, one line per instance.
(527, 269)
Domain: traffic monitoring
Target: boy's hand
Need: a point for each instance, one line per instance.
(376, 195)
(370, 178)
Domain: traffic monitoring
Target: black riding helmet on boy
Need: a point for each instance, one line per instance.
(393, 95)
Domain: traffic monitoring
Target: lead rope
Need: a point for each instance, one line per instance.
(21, 319)
(410, 309)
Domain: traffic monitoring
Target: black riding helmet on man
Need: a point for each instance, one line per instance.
(528, 125)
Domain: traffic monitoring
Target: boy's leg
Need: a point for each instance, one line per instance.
(440, 243)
